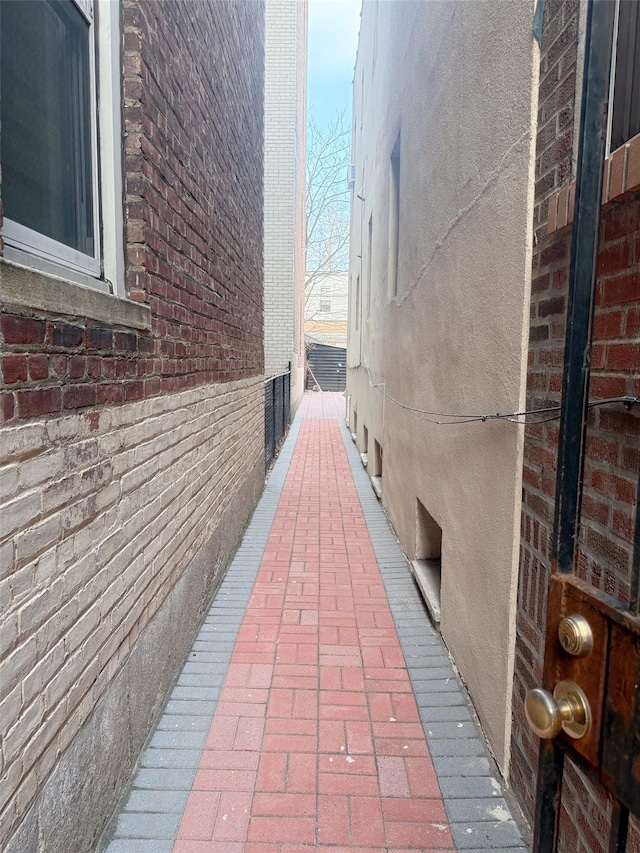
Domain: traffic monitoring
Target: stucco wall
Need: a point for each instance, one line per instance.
(454, 83)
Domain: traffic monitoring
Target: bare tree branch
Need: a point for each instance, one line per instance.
(327, 239)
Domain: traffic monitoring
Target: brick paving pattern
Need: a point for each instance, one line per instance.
(322, 404)
(320, 712)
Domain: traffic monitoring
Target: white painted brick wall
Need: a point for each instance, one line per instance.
(99, 518)
(284, 179)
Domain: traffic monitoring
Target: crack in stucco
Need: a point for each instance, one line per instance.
(460, 216)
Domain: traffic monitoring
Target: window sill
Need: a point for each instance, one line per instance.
(22, 287)
(621, 176)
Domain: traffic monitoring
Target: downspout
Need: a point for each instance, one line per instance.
(582, 280)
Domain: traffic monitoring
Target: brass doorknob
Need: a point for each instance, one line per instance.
(568, 709)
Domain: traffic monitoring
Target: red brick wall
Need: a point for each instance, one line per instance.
(119, 515)
(193, 216)
(613, 458)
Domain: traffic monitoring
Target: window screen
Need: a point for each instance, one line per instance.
(626, 95)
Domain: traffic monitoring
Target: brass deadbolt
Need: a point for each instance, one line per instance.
(576, 636)
(568, 709)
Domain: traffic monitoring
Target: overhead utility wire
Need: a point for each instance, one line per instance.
(512, 417)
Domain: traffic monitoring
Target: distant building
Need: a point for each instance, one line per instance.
(131, 288)
(326, 309)
(285, 189)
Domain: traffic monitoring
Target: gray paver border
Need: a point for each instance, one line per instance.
(456, 742)
(149, 816)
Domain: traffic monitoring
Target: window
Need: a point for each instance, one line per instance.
(394, 220)
(369, 265)
(54, 217)
(624, 118)
(357, 318)
(325, 299)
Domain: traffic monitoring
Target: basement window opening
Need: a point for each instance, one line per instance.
(427, 566)
(364, 456)
(375, 469)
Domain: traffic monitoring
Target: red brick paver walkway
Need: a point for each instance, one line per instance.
(316, 743)
(322, 404)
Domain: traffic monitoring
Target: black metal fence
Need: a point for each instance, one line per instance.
(277, 412)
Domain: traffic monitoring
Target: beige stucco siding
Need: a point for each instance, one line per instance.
(453, 82)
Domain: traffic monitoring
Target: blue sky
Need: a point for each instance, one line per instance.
(333, 40)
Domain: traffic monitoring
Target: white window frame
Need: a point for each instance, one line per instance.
(110, 144)
(612, 76)
(105, 270)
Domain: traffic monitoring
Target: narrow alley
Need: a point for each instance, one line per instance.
(212, 639)
(317, 709)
